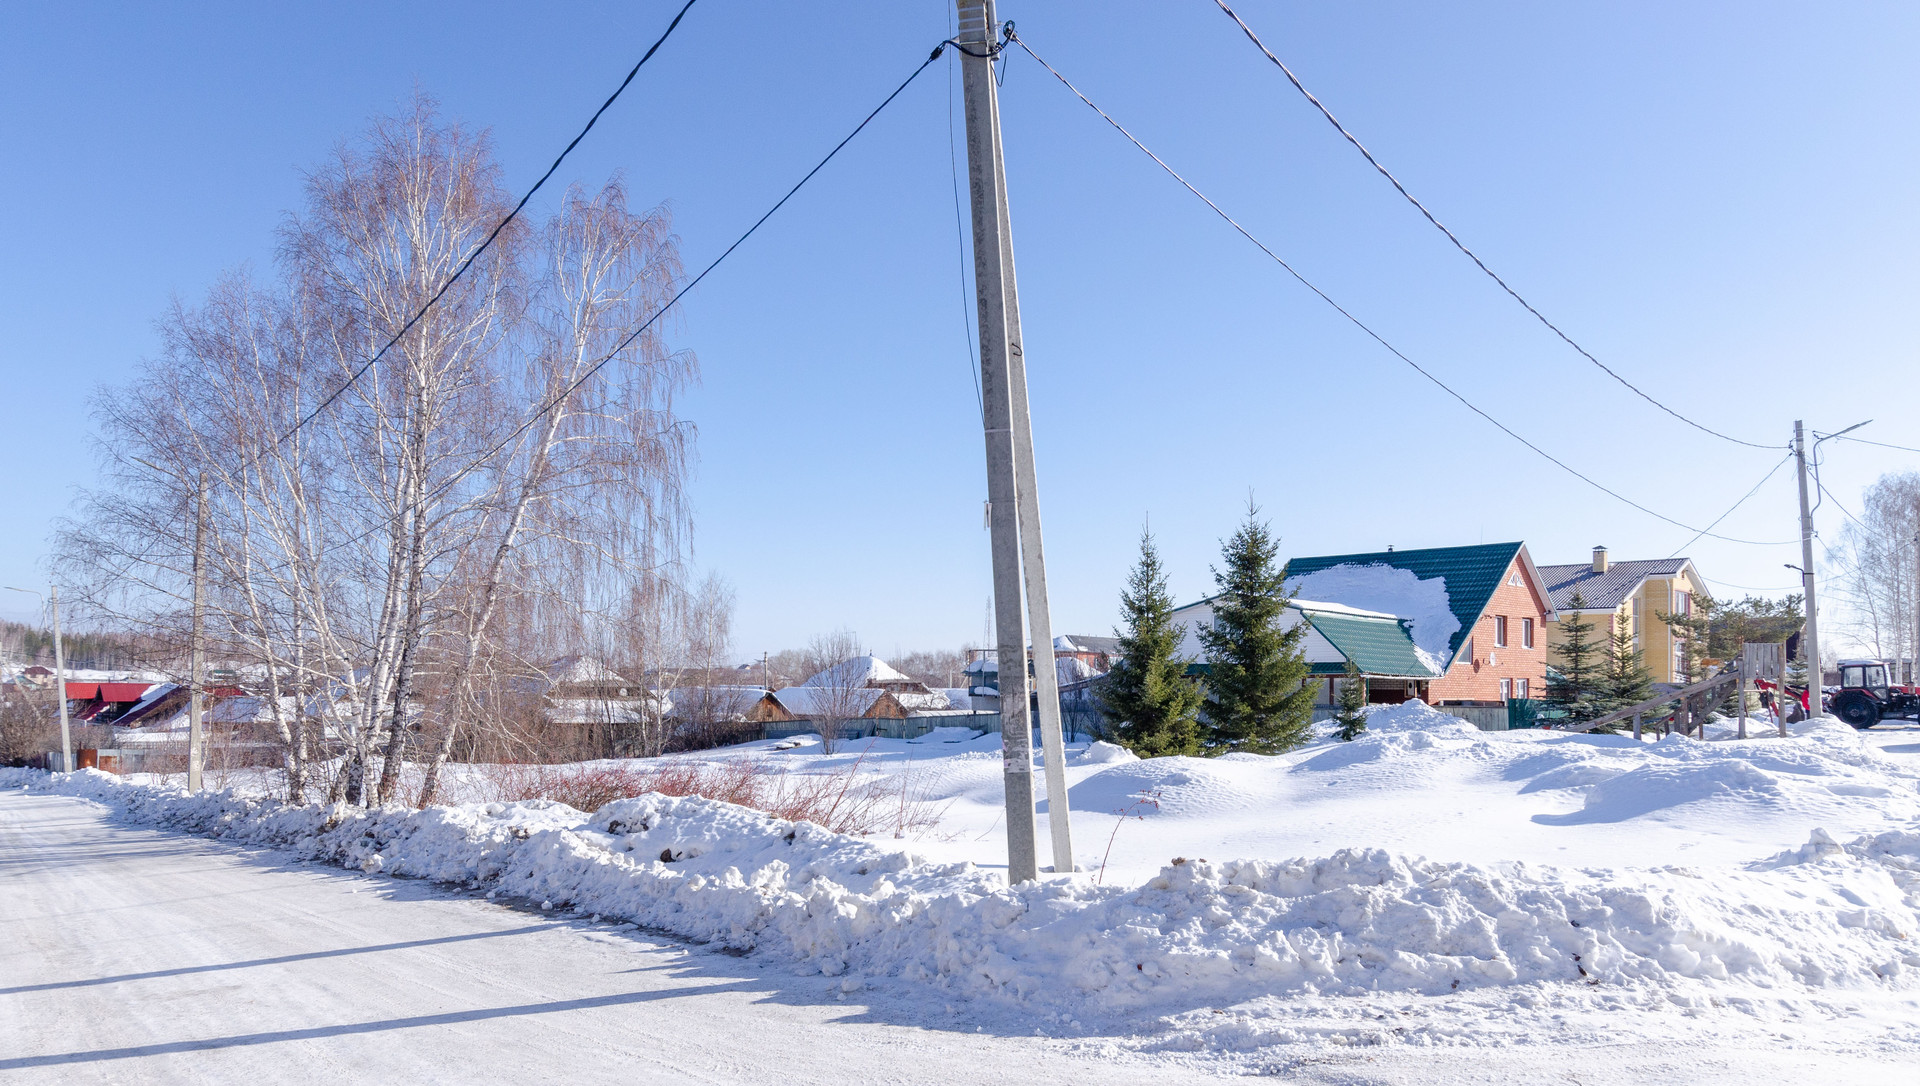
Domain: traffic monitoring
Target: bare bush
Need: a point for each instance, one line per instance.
(838, 800)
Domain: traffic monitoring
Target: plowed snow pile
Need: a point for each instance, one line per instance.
(1781, 929)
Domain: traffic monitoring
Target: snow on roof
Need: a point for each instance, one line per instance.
(1087, 643)
(1338, 609)
(859, 671)
(851, 701)
(1391, 591)
(582, 669)
(722, 700)
(1072, 669)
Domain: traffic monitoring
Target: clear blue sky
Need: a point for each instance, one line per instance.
(1718, 199)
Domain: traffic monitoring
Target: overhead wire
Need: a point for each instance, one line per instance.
(488, 242)
(1881, 444)
(1778, 464)
(1460, 245)
(600, 363)
(1748, 587)
(960, 247)
(1358, 323)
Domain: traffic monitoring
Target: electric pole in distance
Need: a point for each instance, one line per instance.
(59, 676)
(196, 692)
(1013, 501)
(1810, 641)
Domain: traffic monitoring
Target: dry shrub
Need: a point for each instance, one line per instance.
(838, 801)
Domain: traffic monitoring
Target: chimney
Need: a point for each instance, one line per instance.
(1599, 559)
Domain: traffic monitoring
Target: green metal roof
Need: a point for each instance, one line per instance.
(1377, 646)
(1472, 574)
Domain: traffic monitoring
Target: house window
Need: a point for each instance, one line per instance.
(1500, 631)
(1520, 689)
(1526, 637)
(1683, 604)
(1506, 689)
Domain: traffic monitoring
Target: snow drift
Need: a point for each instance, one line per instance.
(1200, 933)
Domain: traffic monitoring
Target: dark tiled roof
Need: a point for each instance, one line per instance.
(1604, 591)
(1472, 574)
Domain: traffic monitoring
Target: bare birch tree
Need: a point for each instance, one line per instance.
(1880, 574)
(494, 486)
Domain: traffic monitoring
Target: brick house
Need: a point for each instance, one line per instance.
(1478, 614)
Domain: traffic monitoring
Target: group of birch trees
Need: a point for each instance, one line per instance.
(1879, 568)
(390, 555)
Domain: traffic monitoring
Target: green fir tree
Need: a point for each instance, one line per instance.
(1627, 680)
(1575, 686)
(1151, 702)
(1258, 699)
(1693, 636)
(1350, 710)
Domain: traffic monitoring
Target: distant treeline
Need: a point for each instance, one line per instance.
(34, 645)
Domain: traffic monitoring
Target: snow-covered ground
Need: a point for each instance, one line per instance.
(1427, 885)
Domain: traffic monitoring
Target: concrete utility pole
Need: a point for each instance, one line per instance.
(1810, 642)
(60, 684)
(1013, 514)
(59, 674)
(196, 740)
(1034, 563)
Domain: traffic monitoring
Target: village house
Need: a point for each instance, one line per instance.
(1380, 645)
(1631, 594)
(1477, 615)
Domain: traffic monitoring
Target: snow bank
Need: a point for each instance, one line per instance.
(1394, 591)
(1200, 933)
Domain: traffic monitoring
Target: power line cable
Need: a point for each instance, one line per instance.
(600, 363)
(960, 244)
(484, 245)
(1743, 499)
(1358, 323)
(1460, 245)
(1882, 444)
(1748, 587)
(695, 281)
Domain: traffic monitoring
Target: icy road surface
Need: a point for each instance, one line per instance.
(134, 955)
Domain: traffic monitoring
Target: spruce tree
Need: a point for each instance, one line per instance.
(1151, 701)
(1350, 712)
(1627, 680)
(1574, 689)
(1258, 699)
(1693, 634)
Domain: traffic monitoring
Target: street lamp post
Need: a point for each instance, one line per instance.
(59, 676)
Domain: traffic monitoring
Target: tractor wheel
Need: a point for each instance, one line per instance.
(1857, 709)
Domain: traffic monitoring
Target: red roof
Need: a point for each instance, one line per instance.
(107, 691)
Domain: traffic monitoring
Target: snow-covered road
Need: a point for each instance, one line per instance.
(140, 956)
(136, 955)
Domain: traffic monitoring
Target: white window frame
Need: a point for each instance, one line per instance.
(1506, 689)
(1499, 631)
(1526, 633)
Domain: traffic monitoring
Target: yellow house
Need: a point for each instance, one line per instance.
(1631, 593)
